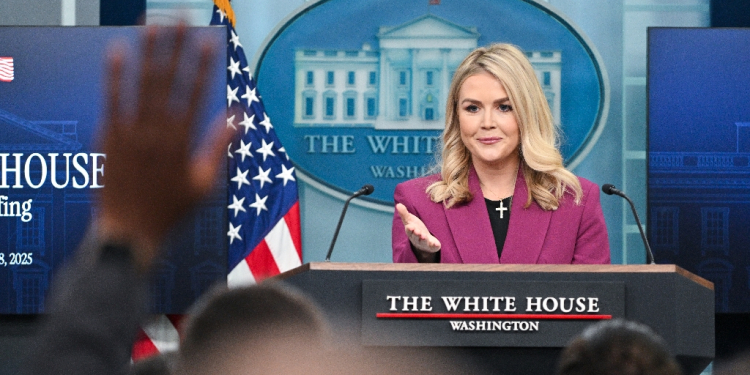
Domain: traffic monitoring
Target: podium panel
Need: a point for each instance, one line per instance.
(514, 317)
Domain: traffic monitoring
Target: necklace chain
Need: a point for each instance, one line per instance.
(502, 207)
(513, 188)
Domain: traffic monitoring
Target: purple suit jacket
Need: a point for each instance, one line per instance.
(571, 234)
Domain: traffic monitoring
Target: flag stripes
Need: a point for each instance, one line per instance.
(159, 335)
(271, 256)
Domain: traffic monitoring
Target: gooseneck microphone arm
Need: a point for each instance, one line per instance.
(610, 189)
(367, 189)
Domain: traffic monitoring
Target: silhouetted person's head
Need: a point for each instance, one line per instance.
(617, 347)
(255, 330)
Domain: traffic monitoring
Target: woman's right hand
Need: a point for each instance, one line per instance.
(420, 238)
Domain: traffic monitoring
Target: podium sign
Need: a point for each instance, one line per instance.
(484, 313)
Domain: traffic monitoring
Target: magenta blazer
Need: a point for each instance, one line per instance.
(571, 234)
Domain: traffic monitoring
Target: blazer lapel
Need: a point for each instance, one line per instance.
(470, 226)
(527, 228)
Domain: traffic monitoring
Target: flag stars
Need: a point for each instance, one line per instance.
(286, 174)
(232, 95)
(248, 123)
(266, 122)
(221, 15)
(265, 149)
(237, 205)
(234, 67)
(250, 96)
(235, 40)
(241, 178)
(259, 204)
(234, 232)
(263, 176)
(244, 150)
(242, 94)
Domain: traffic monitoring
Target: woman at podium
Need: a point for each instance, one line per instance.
(502, 194)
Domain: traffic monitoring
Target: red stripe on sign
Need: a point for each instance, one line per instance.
(492, 316)
(293, 223)
(143, 347)
(261, 262)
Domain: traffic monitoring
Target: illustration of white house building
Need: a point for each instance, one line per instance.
(404, 84)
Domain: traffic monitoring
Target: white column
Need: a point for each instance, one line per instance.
(68, 12)
(384, 88)
(414, 53)
(444, 84)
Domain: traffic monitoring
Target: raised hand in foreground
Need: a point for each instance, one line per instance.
(151, 179)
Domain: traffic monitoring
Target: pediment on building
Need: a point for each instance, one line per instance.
(428, 26)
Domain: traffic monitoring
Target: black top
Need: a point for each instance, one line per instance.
(499, 212)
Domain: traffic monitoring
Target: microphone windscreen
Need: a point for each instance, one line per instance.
(607, 189)
(367, 189)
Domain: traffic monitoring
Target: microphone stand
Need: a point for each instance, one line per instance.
(365, 190)
(610, 189)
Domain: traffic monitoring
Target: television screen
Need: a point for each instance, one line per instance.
(699, 156)
(50, 104)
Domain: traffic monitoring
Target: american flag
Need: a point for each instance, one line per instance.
(6, 69)
(263, 206)
(264, 222)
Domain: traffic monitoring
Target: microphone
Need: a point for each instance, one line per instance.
(367, 189)
(610, 189)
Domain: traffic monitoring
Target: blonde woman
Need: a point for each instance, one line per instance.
(502, 194)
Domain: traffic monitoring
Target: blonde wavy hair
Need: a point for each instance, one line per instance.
(547, 179)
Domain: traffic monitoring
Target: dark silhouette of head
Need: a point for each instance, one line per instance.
(617, 347)
(253, 330)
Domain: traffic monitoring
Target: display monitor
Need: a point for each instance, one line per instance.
(51, 84)
(699, 156)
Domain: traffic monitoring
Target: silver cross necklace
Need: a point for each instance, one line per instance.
(502, 207)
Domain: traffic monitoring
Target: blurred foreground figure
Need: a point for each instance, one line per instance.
(740, 365)
(273, 329)
(98, 303)
(159, 364)
(617, 347)
(265, 329)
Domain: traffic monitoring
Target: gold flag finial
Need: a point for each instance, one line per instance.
(226, 7)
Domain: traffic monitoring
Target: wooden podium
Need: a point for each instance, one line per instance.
(514, 317)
